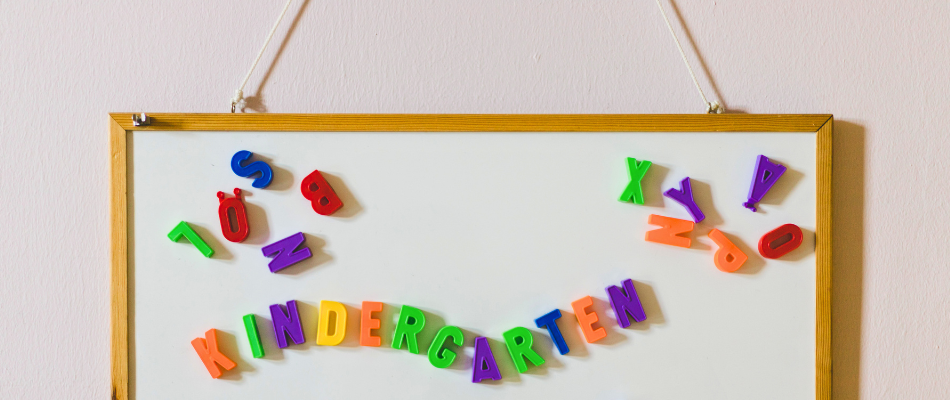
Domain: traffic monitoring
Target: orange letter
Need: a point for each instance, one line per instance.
(728, 258)
(671, 227)
(368, 323)
(208, 351)
(587, 320)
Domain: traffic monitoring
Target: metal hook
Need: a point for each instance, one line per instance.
(141, 120)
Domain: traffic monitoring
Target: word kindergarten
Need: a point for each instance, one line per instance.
(448, 340)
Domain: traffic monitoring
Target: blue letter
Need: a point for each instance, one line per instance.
(246, 171)
(549, 320)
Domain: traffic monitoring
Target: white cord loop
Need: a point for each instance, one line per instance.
(711, 107)
(237, 102)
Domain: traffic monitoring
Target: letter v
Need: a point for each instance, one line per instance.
(637, 171)
(671, 228)
(286, 252)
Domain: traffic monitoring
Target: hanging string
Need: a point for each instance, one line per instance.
(238, 100)
(711, 107)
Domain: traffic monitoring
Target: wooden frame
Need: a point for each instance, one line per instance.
(121, 125)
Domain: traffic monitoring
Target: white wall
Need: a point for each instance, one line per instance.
(879, 66)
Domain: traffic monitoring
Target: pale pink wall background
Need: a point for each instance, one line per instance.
(879, 66)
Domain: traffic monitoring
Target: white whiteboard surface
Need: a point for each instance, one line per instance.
(485, 231)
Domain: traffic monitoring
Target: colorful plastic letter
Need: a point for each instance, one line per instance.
(183, 229)
(670, 231)
(411, 322)
(637, 170)
(625, 301)
(286, 323)
(483, 363)
(250, 169)
(766, 174)
(519, 343)
(289, 251)
(236, 230)
(253, 335)
(768, 248)
(549, 321)
(439, 356)
(207, 350)
(322, 197)
(338, 311)
(368, 323)
(728, 258)
(587, 320)
(684, 196)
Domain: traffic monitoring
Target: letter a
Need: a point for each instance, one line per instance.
(637, 171)
(207, 350)
(766, 174)
(483, 363)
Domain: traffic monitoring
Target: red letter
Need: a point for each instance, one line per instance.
(767, 247)
(671, 227)
(207, 349)
(240, 217)
(322, 197)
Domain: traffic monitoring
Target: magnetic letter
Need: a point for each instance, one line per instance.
(768, 248)
(519, 343)
(236, 230)
(671, 228)
(587, 320)
(684, 196)
(411, 322)
(287, 252)
(253, 335)
(286, 323)
(207, 350)
(368, 323)
(637, 171)
(549, 321)
(625, 301)
(322, 197)
(324, 336)
(250, 169)
(183, 229)
(483, 363)
(728, 258)
(439, 356)
(766, 174)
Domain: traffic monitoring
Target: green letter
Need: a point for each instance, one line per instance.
(637, 171)
(183, 229)
(411, 322)
(447, 356)
(253, 336)
(519, 346)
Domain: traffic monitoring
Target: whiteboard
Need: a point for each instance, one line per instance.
(485, 231)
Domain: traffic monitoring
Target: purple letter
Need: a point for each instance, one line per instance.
(483, 366)
(285, 324)
(684, 196)
(766, 174)
(625, 301)
(286, 254)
